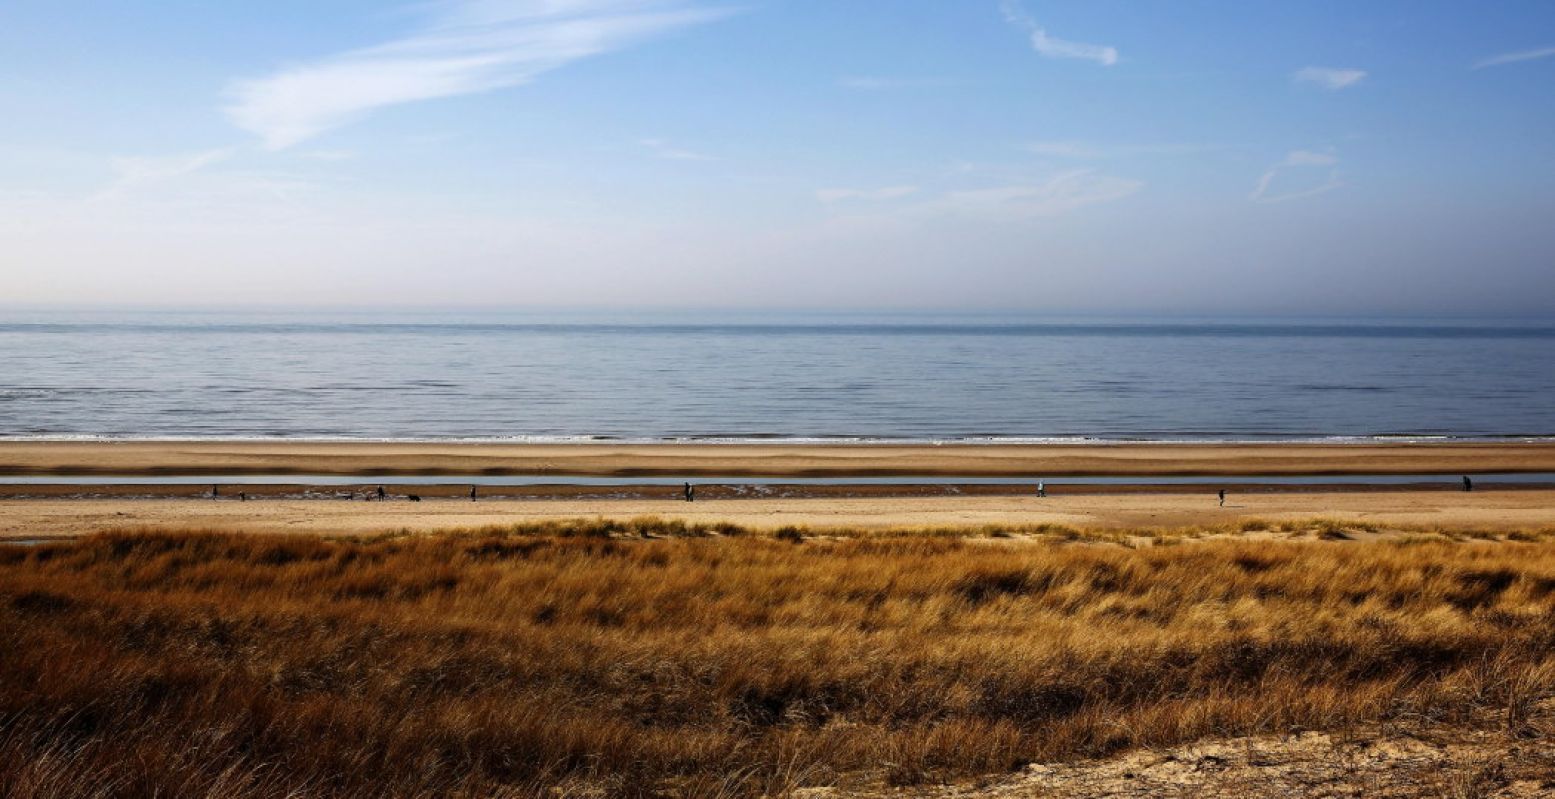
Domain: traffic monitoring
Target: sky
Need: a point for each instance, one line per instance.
(1394, 157)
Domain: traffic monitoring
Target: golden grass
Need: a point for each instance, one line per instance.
(588, 658)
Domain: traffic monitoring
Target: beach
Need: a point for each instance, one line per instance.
(65, 510)
(173, 458)
(330, 514)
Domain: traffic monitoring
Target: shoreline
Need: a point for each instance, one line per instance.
(152, 458)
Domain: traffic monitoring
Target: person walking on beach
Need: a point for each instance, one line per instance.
(381, 493)
(472, 493)
(1468, 485)
(215, 492)
(1041, 489)
(691, 492)
(1222, 497)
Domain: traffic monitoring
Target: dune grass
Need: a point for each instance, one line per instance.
(588, 659)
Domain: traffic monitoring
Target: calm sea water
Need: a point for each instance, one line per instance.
(801, 376)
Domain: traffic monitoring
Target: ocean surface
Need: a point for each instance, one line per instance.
(354, 375)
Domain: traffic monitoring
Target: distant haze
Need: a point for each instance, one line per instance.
(1341, 158)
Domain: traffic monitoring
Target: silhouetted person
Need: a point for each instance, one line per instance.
(472, 493)
(1468, 485)
(1222, 497)
(691, 492)
(381, 493)
(215, 492)
(242, 496)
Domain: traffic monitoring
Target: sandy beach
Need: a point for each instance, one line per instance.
(129, 458)
(1505, 510)
(70, 510)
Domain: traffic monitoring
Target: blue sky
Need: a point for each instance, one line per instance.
(1301, 158)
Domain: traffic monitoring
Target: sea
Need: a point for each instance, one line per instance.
(803, 377)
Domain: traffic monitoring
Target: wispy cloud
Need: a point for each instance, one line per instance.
(472, 46)
(1089, 151)
(1329, 78)
(1065, 192)
(885, 193)
(1051, 46)
(1513, 58)
(662, 149)
(134, 171)
(874, 83)
(1302, 173)
(1013, 200)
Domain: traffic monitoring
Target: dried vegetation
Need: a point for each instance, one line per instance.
(652, 658)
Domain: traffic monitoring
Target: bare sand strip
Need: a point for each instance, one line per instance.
(1445, 761)
(1423, 509)
(154, 458)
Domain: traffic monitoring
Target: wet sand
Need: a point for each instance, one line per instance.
(153, 458)
(1493, 509)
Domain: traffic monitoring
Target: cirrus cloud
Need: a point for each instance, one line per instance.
(474, 46)
(1062, 193)
(1513, 58)
(1050, 46)
(1302, 173)
(1329, 78)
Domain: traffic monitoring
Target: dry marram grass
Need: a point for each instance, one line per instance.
(587, 658)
